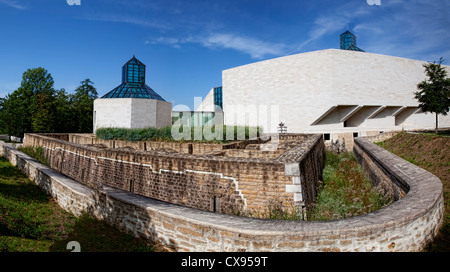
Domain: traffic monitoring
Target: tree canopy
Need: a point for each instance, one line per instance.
(83, 100)
(434, 92)
(37, 107)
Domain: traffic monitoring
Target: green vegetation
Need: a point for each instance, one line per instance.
(166, 134)
(434, 93)
(431, 151)
(37, 107)
(345, 191)
(31, 221)
(276, 209)
(36, 153)
(124, 134)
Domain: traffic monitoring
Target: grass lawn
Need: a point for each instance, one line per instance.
(431, 152)
(31, 221)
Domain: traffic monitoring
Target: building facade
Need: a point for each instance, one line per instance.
(333, 92)
(132, 104)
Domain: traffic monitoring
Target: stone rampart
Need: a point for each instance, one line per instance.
(214, 182)
(408, 224)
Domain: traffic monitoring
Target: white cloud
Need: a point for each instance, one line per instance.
(173, 42)
(334, 20)
(414, 29)
(409, 29)
(257, 49)
(128, 20)
(323, 25)
(13, 4)
(368, 28)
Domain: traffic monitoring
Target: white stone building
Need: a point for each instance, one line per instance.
(133, 104)
(335, 92)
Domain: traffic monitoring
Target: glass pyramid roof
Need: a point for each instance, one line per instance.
(348, 42)
(133, 83)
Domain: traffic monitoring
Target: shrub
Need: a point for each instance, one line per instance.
(165, 133)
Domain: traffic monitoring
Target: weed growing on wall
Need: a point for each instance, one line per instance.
(278, 209)
(36, 153)
(345, 191)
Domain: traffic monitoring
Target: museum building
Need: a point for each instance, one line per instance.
(340, 93)
(334, 92)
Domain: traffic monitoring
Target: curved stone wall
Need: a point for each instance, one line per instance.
(408, 224)
(217, 181)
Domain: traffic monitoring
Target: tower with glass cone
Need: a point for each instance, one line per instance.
(132, 104)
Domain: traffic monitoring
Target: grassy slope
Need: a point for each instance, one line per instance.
(31, 221)
(431, 152)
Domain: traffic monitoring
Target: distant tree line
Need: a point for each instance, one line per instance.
(37, 107)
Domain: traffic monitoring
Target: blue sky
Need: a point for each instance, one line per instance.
(186, 44)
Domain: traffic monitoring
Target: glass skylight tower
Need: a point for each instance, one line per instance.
(348, 42)
(133, 83)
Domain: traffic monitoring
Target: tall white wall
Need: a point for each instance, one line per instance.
(303, 87)
(207, 103)
(112, 112)
(131, 113)
(163, 114)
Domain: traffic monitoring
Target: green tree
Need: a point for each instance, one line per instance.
(15, 115)
(36, 107)
(65, 112)
(30, 107)
(83, 103)
(38, 83)
(434, 93)
(2, 116)
(43, 115)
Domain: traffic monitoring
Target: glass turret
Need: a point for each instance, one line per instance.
(133, 83)
(133, 71)
(348, 42)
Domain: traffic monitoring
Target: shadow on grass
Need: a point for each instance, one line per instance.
(32, 221)
(7, 170)
(92, 235)
(23, 192)
(97, 236)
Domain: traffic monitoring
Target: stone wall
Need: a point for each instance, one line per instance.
(182, 147)
(408, 224)
(69, 194)
(382, 136)
(382, 170)
(213, 182)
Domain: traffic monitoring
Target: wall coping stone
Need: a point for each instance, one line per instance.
(167, 154)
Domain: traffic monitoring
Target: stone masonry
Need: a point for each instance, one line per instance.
(203, 176)
(408, 224)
